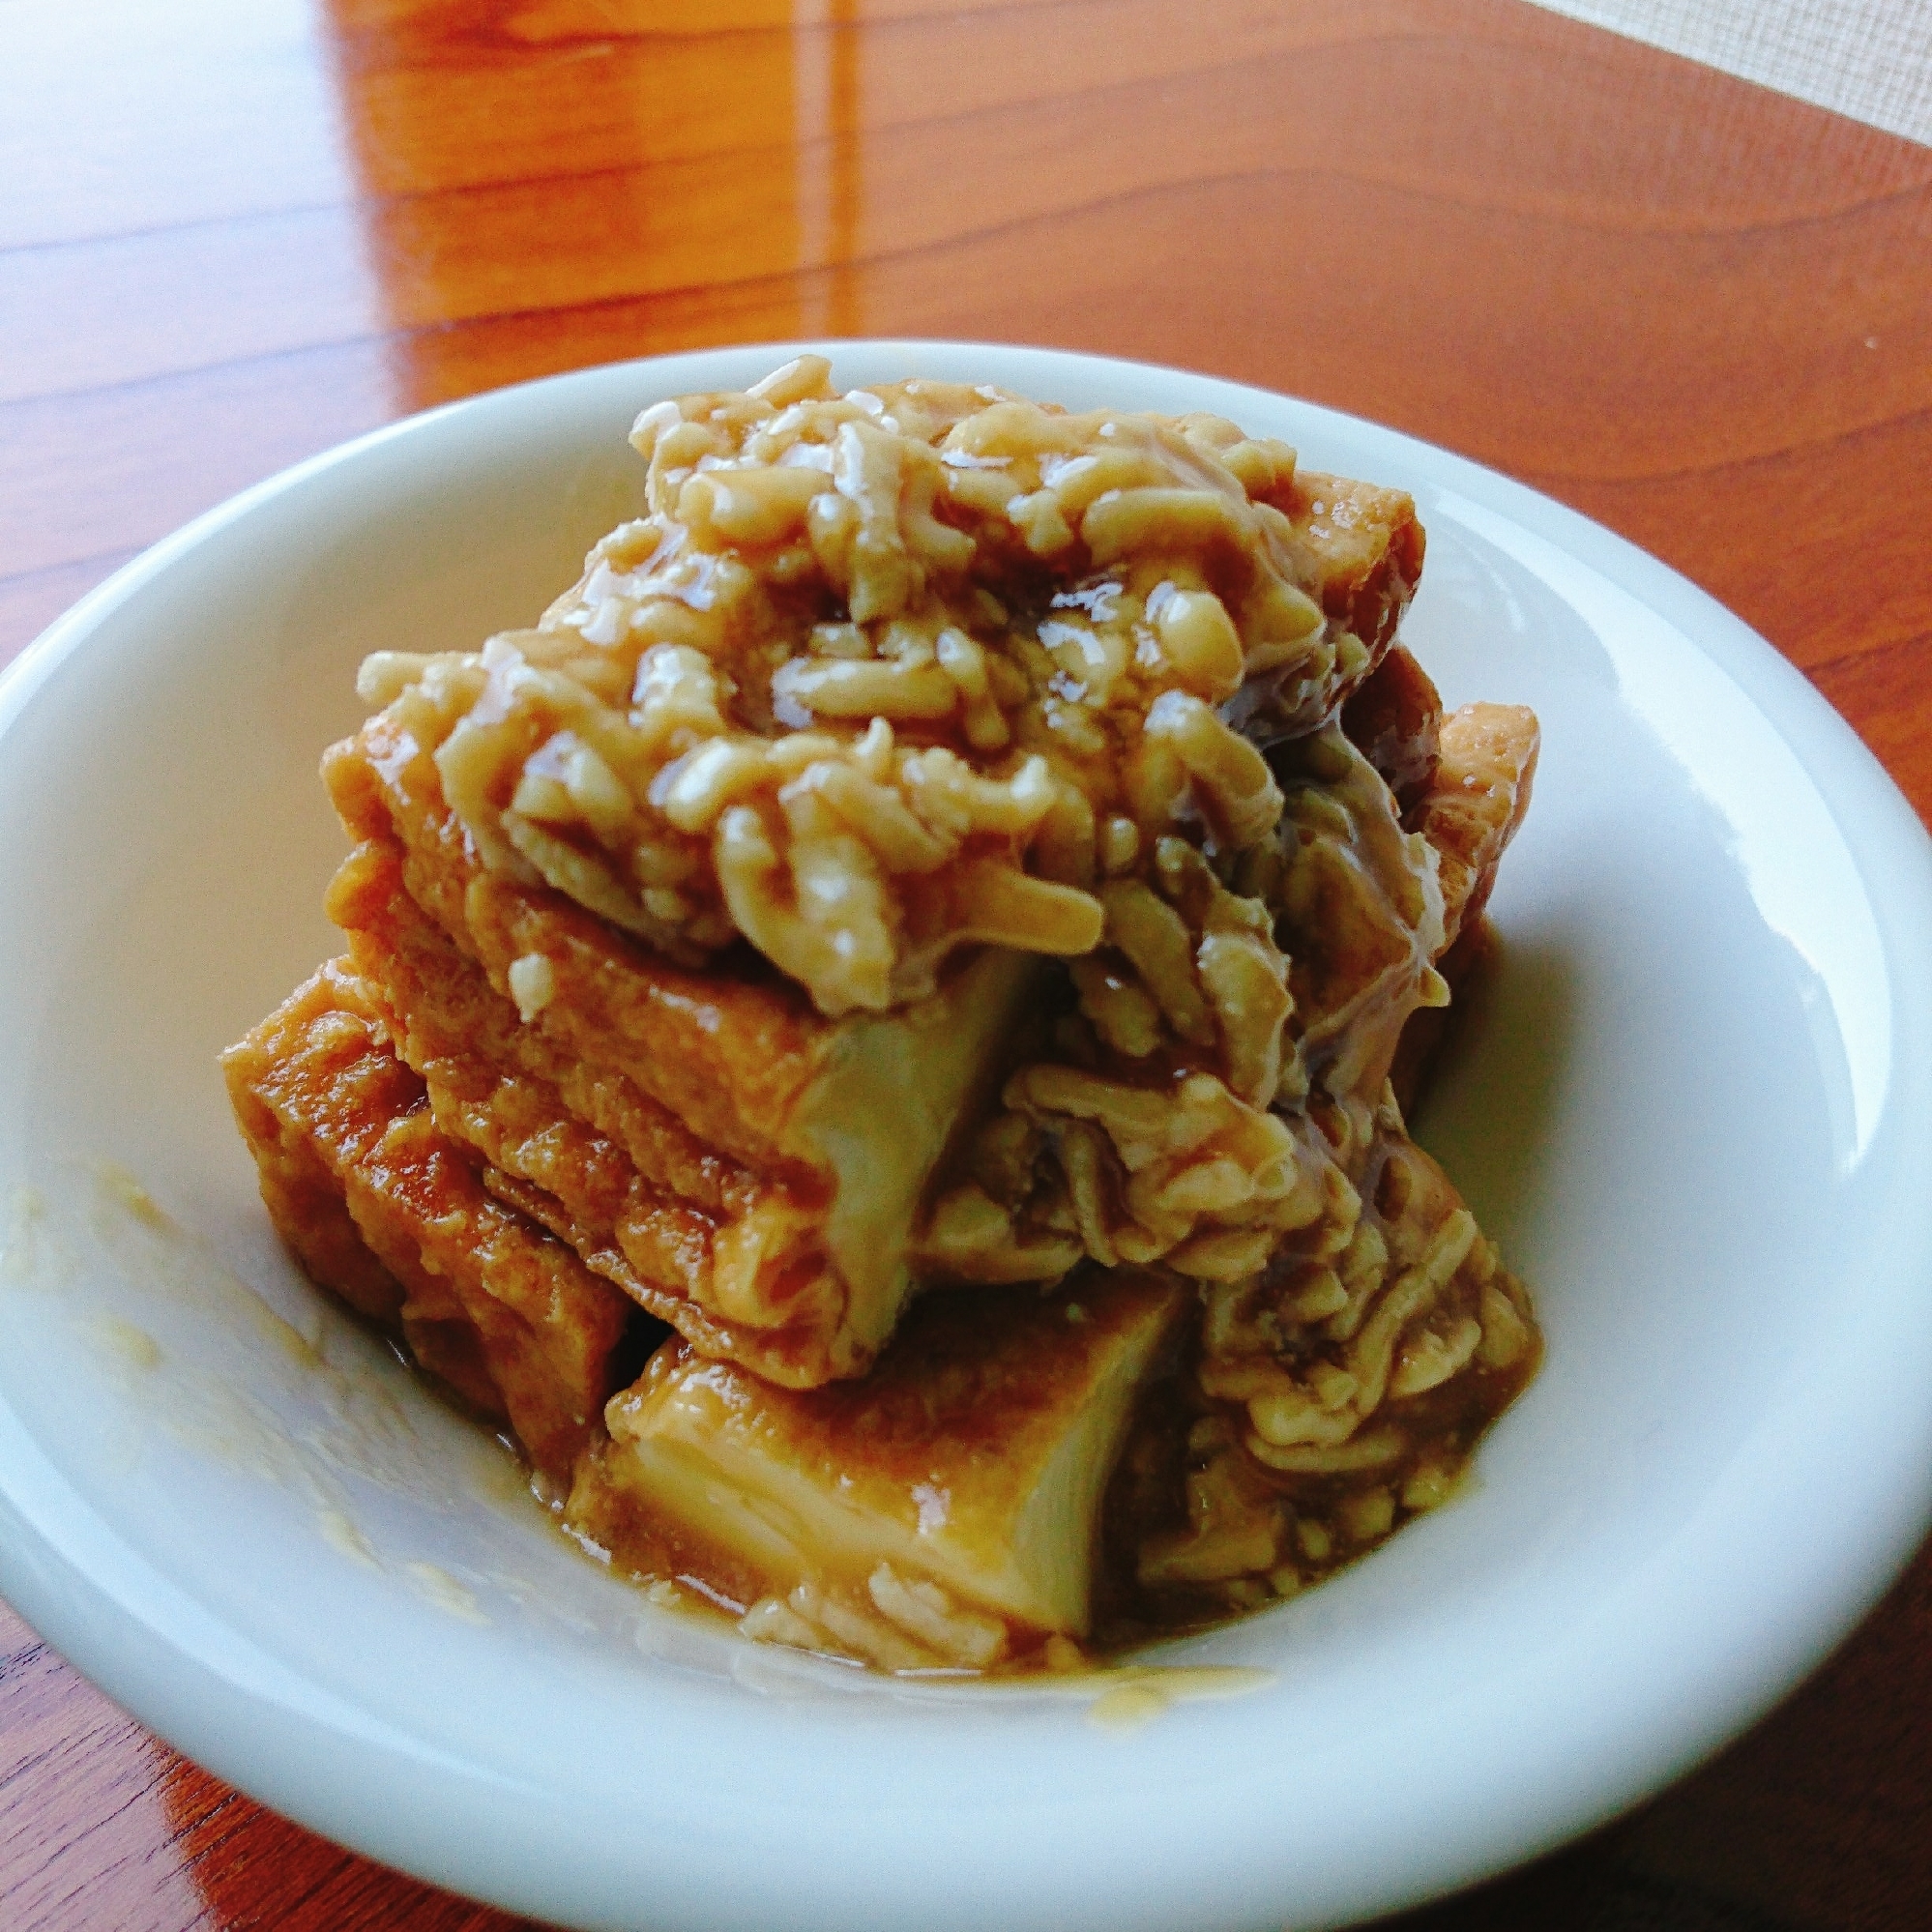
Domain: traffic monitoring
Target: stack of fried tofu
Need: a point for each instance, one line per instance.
(515, 1136)
(661, 1222)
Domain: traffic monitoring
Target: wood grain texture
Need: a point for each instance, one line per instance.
(233, 235)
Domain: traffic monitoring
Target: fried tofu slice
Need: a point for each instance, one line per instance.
(1475, 801)
(747, 1168)
(1396, 720)
(1366, 546)
(955, 1490)
(1485, 770)
(1359, 548)
(384, 1209)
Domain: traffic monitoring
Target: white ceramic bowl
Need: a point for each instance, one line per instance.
(1693, 1106)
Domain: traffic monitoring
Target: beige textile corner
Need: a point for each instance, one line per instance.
(1870, 59)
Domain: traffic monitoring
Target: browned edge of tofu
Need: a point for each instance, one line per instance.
(799, 1149)
(381, 1207)
(972, 1462)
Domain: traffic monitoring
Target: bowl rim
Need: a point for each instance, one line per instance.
(78, 1596)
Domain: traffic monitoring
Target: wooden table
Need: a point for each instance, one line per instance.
(234, 234)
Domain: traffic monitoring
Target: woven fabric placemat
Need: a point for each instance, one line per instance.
(1870, 59)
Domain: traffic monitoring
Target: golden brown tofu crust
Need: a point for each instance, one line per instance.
(1368, 549)
(992, 1418)
(730, 1050)
(1474, 806)
(975, 1379)
(578, 1147)
(454, 1025)
(383, 1208)
(1394, 719)
(1470, 810)
(680, 1131)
